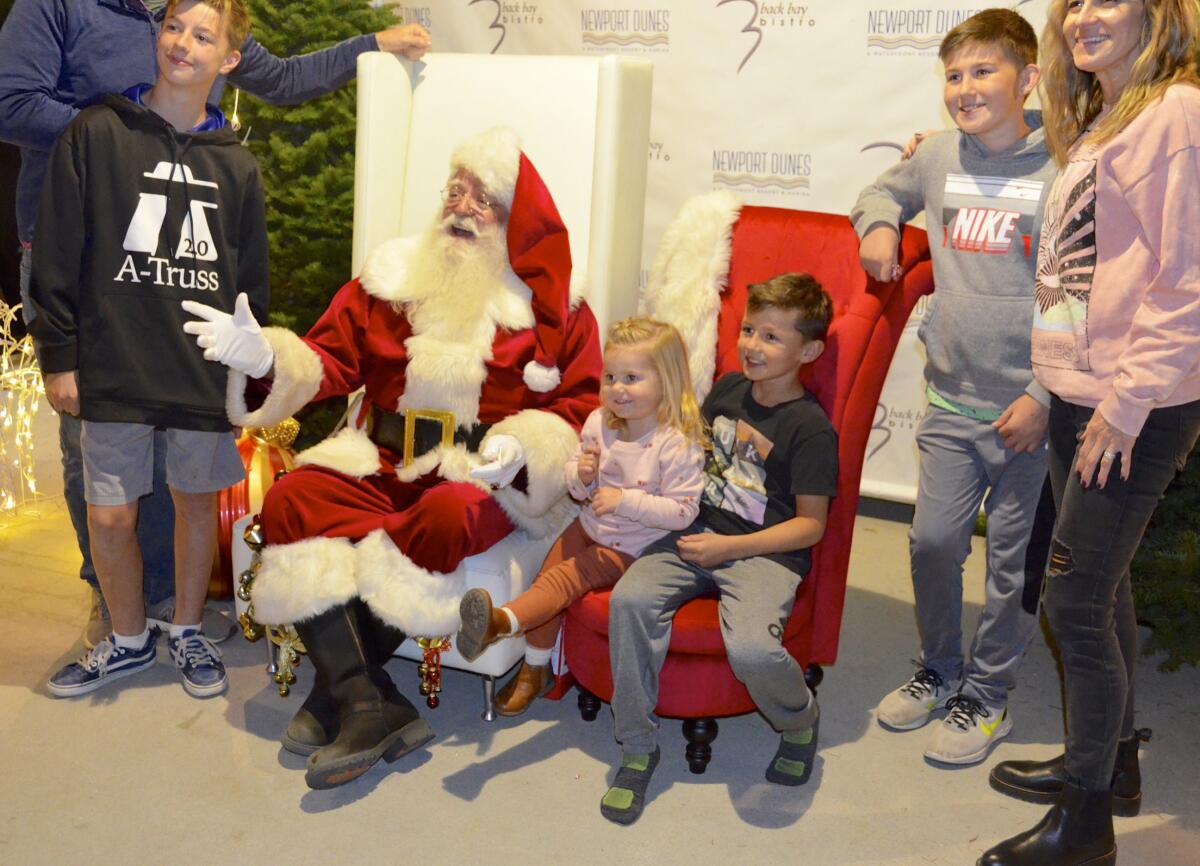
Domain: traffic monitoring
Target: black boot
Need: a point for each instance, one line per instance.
(1078, 831)
(370, 726)
(316, 722)
(1042, 781)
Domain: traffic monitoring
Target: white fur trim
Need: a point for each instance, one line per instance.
(349, 451)
(690, 270)
(418, 602)
(298, 376)
(494, 157)
(300, 580)
(386, 267)
(579, 287)
(427, 462)
(548, 442)
(540, 378)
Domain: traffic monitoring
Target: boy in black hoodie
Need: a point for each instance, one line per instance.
(152, 201)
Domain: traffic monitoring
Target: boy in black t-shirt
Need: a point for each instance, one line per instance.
(771, 471)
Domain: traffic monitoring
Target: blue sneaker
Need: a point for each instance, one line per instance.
(101, 665)
(199, 664)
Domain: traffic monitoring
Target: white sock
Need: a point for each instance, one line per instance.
(176, 631)
(537, 657)
(513, 625)
(132, 641)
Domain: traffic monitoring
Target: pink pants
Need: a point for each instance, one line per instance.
(574, 566)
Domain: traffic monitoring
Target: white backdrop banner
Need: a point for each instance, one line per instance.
(787, 104)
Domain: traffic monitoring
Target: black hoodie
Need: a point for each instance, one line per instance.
(116, 253)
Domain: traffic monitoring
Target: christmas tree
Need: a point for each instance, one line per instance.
(306, 153)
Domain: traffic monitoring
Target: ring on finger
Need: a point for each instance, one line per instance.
(1109, 456)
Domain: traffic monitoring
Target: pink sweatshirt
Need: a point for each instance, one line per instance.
(661, 477)
(1117, 324)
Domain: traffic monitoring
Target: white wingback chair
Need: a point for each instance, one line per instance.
(584, 122)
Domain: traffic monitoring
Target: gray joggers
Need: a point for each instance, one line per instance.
(757, 595)
(962, 460)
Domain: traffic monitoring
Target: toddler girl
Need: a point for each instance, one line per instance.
(638, 472)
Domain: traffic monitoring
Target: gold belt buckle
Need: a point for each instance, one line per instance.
(411, 416)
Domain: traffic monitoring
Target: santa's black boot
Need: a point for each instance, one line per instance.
(316, 722)
(1043, 781)
(370, 726)
(1077, 831)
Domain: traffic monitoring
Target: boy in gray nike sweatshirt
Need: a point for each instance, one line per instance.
(982, 189)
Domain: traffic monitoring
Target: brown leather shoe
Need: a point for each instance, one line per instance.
(482, 624)
(530, 683)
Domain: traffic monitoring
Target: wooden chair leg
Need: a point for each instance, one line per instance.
(589, 704)
(699, 734)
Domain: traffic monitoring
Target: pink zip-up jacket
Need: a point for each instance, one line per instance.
(1117, 324)
(661, 477)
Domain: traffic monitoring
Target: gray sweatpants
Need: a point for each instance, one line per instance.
(757, 595)
(962, 460)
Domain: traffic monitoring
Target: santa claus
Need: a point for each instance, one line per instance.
(478, 367)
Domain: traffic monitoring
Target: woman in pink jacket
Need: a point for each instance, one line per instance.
(1116, 341)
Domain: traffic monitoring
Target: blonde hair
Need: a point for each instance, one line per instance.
(1072, 97)
(235, 18)
(668, 356)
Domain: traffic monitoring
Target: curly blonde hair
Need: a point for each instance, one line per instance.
(668, 356)
(1072, 98)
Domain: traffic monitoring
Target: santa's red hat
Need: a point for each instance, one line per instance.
(539, 251)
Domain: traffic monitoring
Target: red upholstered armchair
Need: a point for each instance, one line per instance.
(709, 255)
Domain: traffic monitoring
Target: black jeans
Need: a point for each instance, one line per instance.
(1087, 594)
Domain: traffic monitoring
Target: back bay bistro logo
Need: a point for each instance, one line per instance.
(506, 14)
(912, 30)
(761, 17)
(630, 31)
(762, 171)
(191, 238)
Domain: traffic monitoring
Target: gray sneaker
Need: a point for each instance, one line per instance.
(215, 625)
(915, 702)
(99, 623)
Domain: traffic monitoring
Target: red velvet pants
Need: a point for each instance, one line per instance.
(434, 522)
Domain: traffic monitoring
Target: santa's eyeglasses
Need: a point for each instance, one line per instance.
(480, 203)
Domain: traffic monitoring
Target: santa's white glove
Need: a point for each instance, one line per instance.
(506, 456)
(235, 341)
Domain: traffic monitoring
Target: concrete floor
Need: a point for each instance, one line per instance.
(140, 772)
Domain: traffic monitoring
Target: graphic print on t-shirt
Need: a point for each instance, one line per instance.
(192, 239)
(983, 214)
(1066, 266)
(735, 475)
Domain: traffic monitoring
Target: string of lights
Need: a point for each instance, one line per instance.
(22, 390)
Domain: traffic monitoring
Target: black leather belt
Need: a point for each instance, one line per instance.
(415, 432)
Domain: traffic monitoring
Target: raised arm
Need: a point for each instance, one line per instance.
(290, 80)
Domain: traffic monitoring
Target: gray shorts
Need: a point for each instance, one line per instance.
(118, 461)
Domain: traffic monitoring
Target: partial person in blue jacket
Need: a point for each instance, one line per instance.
(57, 56)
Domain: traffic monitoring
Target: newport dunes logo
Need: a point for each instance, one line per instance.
(506, 13)
(627, 30)
(769, 17)
(910, 31)
(762, 171)
(422, 15)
